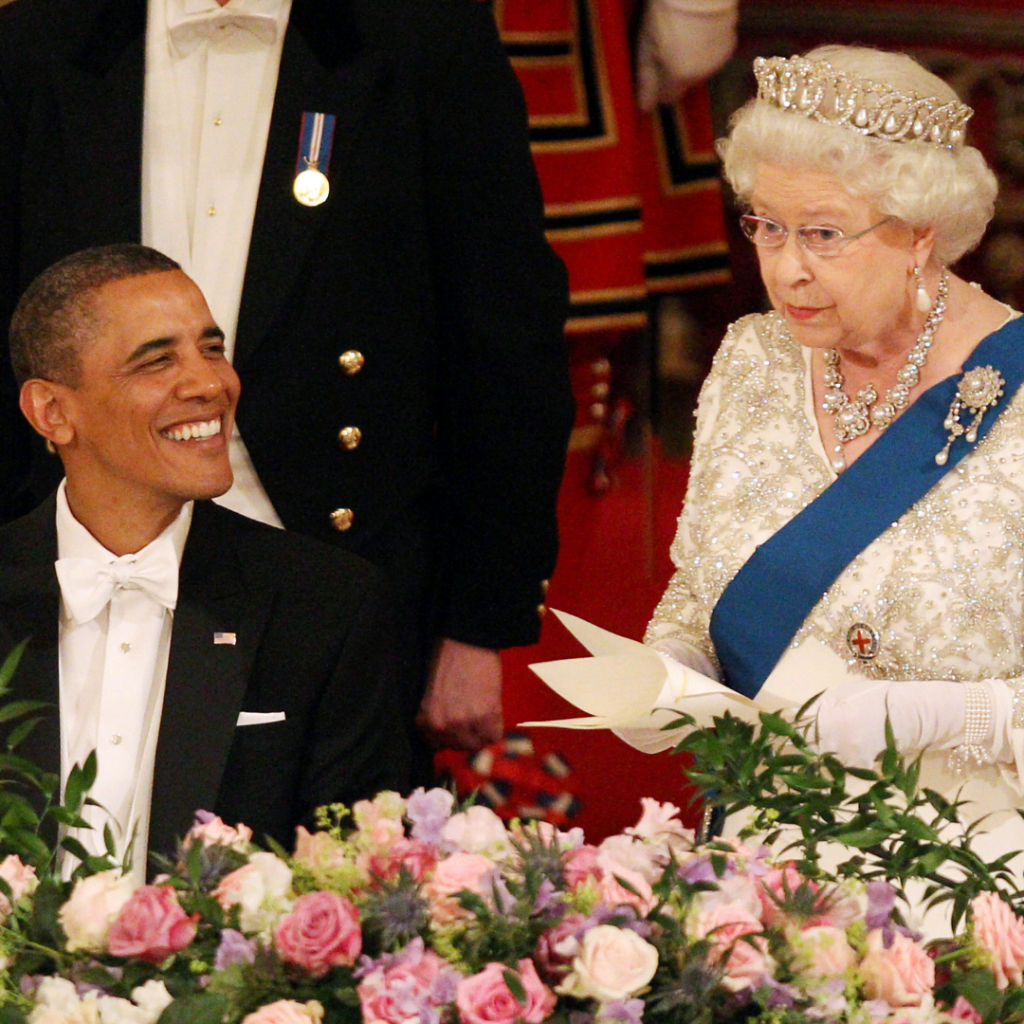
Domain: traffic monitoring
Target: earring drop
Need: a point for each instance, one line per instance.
(923, 300)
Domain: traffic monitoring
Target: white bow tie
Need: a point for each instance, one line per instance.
(87, 585)
(191, 30)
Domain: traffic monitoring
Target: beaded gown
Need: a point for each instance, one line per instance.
(943, 587)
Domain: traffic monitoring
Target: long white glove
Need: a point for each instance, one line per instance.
(682, 42)
(924, 714)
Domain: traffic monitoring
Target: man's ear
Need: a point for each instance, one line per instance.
(45, 405)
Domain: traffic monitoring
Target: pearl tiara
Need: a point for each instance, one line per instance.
(815, 89)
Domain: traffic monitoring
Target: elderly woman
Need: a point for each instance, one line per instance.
(854, 521)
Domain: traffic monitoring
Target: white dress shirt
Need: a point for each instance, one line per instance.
(112, 673)
(208, 102)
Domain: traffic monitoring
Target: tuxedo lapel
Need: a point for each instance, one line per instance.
(99, 94)
(323, 69)
(30, 608)
(206, 681)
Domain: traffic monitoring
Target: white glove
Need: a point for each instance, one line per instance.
(673, 649)
(923, 714)
(682, 42)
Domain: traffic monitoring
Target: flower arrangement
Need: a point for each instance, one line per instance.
(425, 913)
(416, 911)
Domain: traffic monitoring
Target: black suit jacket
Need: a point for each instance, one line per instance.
(313, 637)
(428, 258)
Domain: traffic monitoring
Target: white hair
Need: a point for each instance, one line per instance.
(951, 191)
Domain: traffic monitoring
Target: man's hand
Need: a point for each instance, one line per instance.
(462, 705)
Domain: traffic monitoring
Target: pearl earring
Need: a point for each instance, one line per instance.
(923, 300)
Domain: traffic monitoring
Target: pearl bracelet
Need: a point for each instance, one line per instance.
(974, 752)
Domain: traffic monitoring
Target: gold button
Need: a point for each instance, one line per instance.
(600, 389)
(598, 410)
(349, 438)
(544, 586)
(351, 362)
(217, 121)
(212, 211)
(542, 610)
(601, 367)
(341, 519)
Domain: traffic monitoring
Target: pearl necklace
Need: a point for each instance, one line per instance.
(854, 417)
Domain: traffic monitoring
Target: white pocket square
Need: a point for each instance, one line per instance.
(259, 717)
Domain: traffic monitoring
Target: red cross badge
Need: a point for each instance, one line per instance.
(862, 640)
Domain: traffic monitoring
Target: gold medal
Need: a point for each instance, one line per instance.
(311, 187)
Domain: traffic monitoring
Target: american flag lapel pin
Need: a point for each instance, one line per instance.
(225, 638)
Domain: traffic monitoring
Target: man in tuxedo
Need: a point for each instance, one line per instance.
(349, 183)
(212, 661)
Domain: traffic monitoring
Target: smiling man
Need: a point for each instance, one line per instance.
(211, 661)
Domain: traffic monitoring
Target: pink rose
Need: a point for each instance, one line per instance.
(20, 877)
(417, 857)
(823, 952)
(152, 925)
(778, 886)
(318, 851)
(901, 974)
(379, 820)
(485, 997)
(89, 912)
(453, 874)
(614, 893)
(400, 994)
(559, 946)
(321, 932)
(287, 1011)
(213, 832)
(963, 1010)
(999, 931)
(724, 926)
(746, 966)
(581, 864)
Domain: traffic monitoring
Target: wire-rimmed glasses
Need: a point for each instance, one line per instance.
(815, 238)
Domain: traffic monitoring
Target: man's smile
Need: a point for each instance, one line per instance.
(195, 431)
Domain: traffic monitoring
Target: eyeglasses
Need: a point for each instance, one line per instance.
(822, 241)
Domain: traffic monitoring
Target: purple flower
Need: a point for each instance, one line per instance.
(881, 901)
(428, 810)
(204, 817)
(234, 948)
(547, 897)
(629, 1011)
(775, 993)
(623, 916)
(698, 869)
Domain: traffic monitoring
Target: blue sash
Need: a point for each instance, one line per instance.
(769, 599)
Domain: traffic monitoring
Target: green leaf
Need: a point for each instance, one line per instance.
(205, 1008)
(17, 735)
(17, 708)
(9, 666)
(515, 986)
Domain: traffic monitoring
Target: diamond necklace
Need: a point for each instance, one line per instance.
(854, 417)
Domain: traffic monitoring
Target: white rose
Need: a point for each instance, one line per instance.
(613, 963)
(121, 1011)
(94, 903)
(57, 994)
(260, 889)
(477, 830)
(152, 997)
(57, 1002)
(618, 852)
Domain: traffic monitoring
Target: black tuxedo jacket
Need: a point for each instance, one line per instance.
(313, 633)
(428, 258)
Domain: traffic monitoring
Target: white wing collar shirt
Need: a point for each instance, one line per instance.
(115, 636)
(211, 76)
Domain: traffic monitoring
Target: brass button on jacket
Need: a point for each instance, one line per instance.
(341, 519)
(351, 362)
(349, 438)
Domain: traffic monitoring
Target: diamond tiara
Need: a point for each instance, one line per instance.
(815, 89)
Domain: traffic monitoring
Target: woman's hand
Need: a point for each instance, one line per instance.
(850, 719)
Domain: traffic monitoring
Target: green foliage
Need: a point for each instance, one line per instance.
(892, 829)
